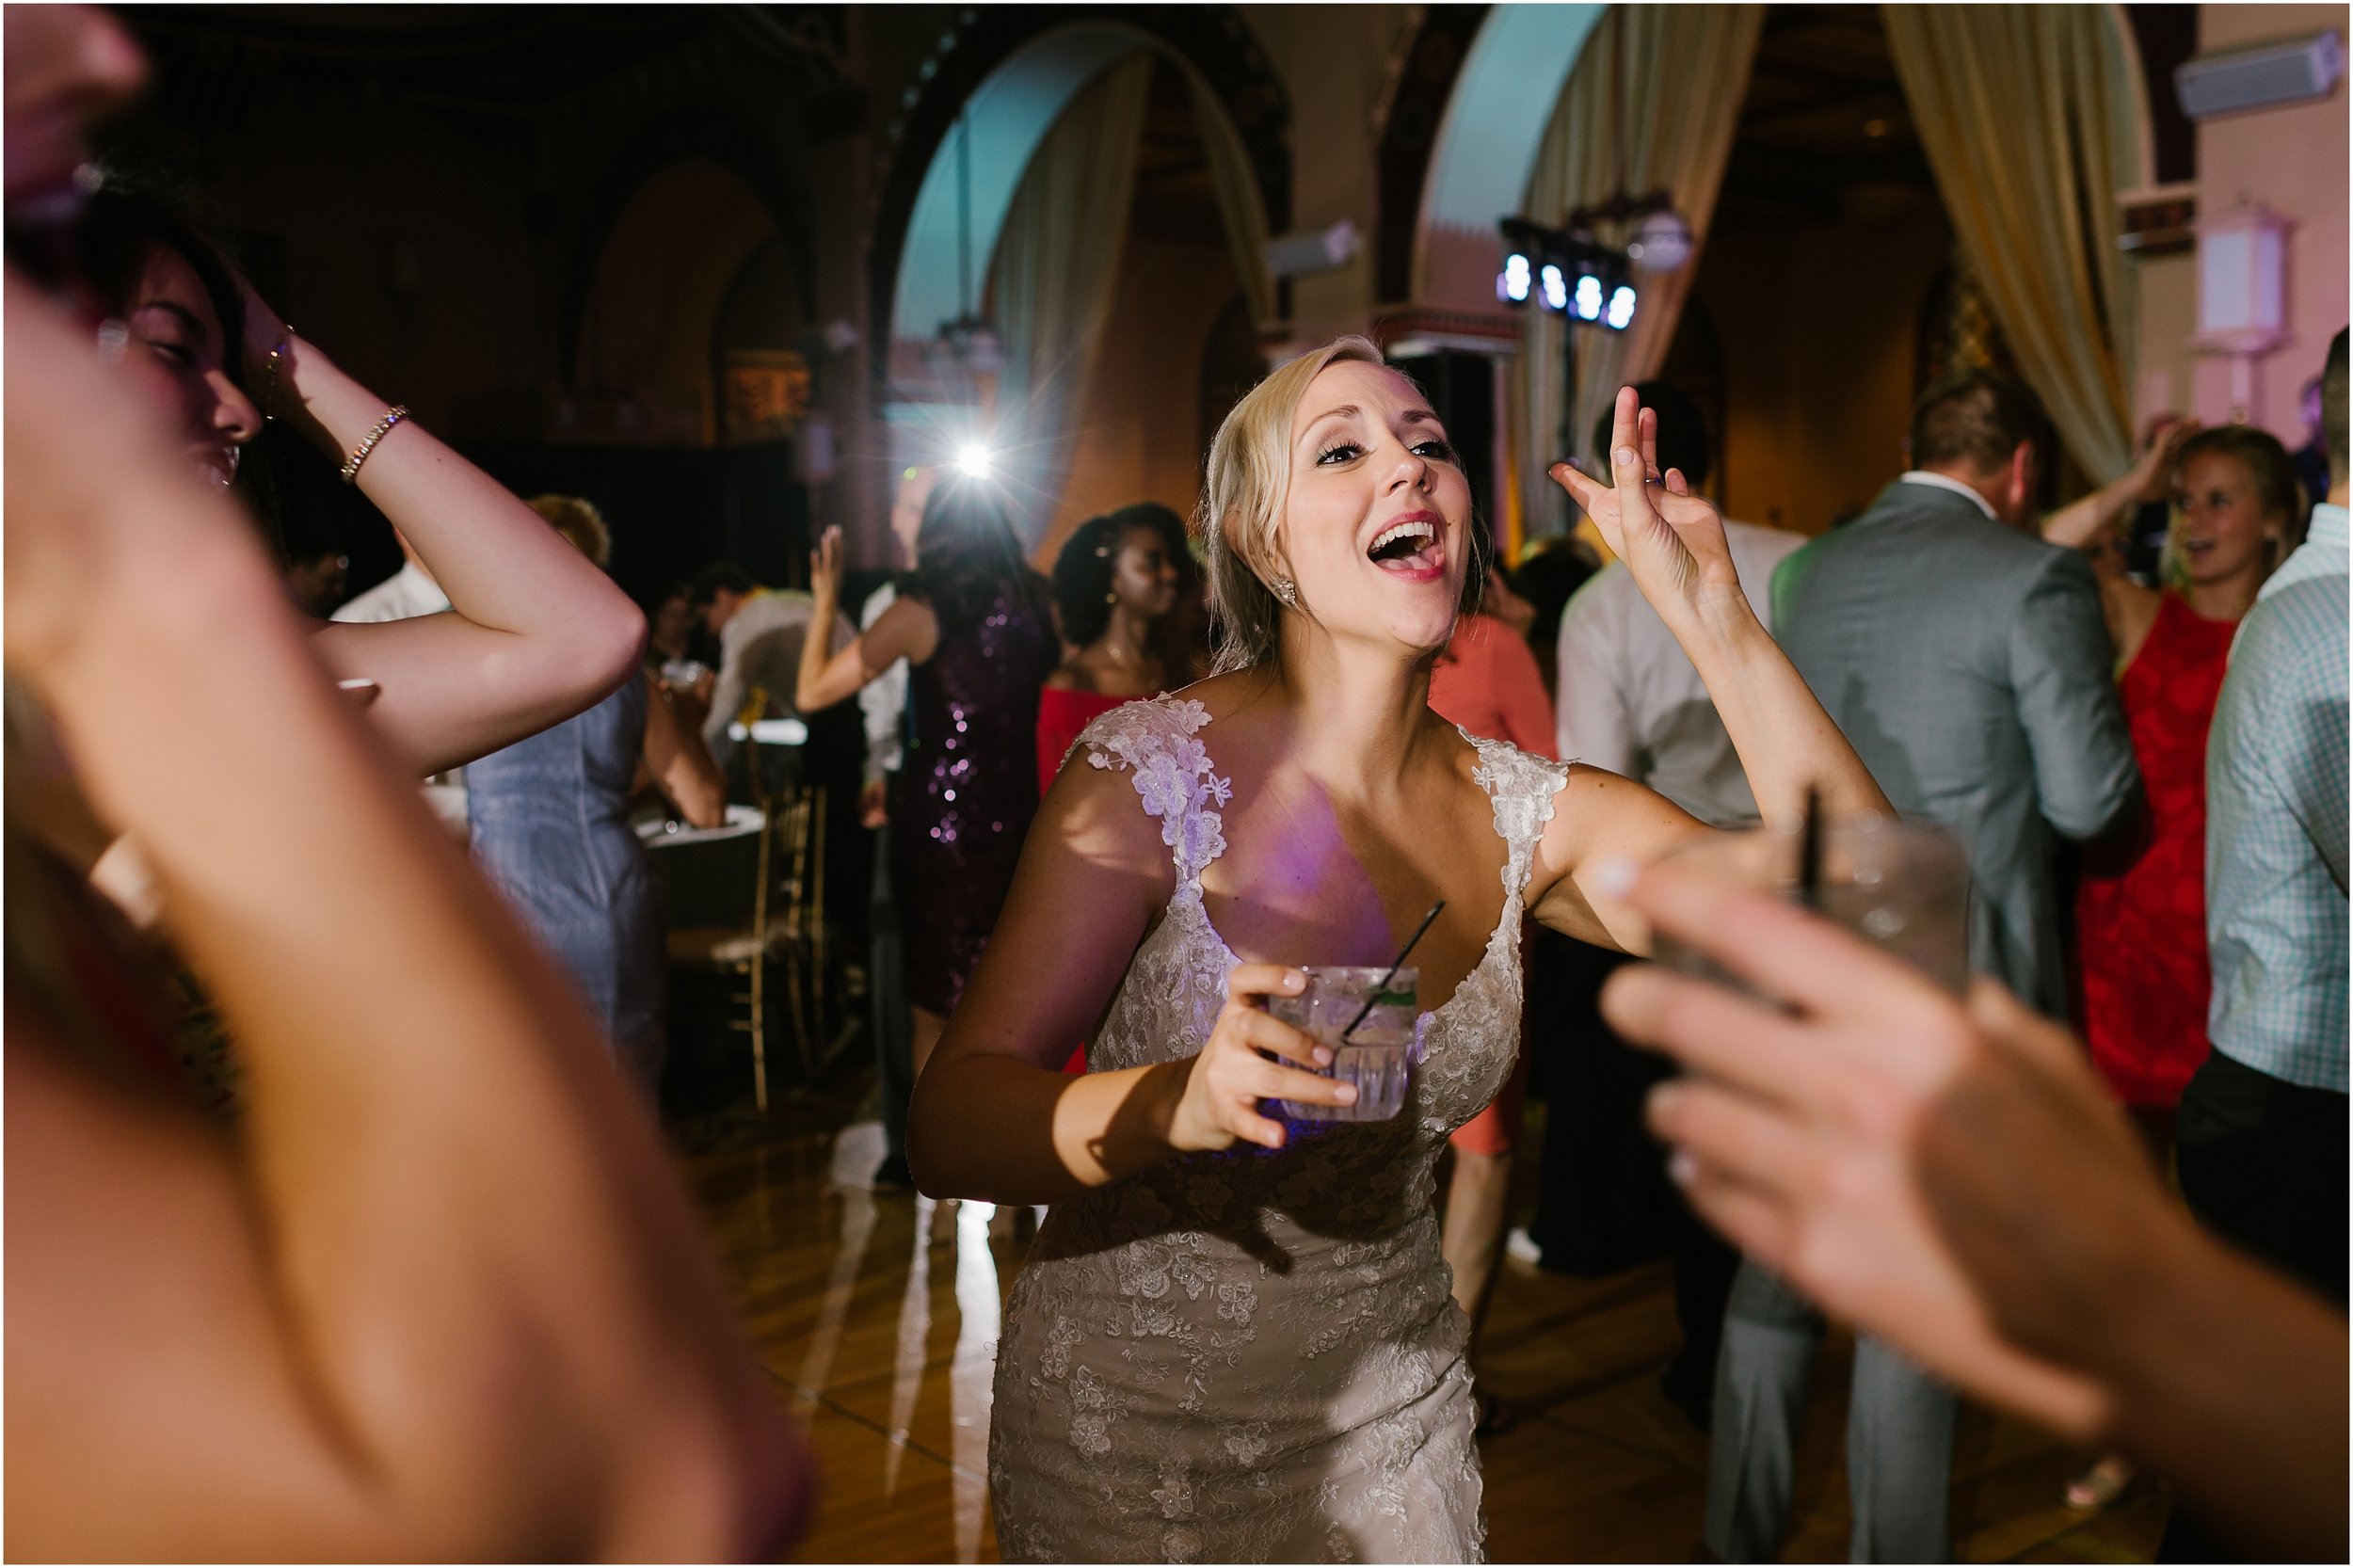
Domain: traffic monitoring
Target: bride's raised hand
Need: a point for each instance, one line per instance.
(1672, 540)
(1247, 1061)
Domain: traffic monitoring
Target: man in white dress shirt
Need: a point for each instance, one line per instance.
(760, 631)
(406, 594)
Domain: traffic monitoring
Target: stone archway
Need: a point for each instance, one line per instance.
(1010, 73)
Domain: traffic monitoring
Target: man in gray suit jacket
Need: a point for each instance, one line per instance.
(1968, 663)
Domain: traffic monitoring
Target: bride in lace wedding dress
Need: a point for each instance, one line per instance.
(1233, 1339)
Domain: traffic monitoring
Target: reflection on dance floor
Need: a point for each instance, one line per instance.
(878, 1316)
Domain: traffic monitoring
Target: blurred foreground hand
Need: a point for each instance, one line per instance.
(1952, 1178)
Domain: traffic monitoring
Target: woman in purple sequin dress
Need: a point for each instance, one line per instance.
(973, 623)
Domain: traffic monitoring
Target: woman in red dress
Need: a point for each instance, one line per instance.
(2140, 914)
(2140, 911)
(1115, 581)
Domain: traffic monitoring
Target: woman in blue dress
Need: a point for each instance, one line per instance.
(549, 817)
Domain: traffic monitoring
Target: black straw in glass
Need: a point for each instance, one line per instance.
(1810, 851)
(1395, 964)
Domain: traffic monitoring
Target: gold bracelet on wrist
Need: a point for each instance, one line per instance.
(393, 416)
(271, 364)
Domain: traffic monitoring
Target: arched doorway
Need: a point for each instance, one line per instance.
(1205, 112)
(678, 257)
(1007, 75)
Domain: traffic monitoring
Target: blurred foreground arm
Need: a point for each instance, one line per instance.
(442, 1297)
(1955, 1181)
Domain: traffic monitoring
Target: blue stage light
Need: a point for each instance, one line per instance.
(1620, 306)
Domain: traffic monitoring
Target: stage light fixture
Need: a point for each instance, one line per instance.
(1565, 272)
(1556, 289)
(973, 462)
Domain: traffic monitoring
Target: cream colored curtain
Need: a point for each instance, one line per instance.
(1056, 262)
(1686, 72)
(2025, 113)
(1237, 199)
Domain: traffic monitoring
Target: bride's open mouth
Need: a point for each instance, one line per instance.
(1411, 546)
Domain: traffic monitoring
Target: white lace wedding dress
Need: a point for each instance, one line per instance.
(1255, 1356)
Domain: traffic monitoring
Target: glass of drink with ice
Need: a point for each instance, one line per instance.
(1375, 1057)
(1904, 886)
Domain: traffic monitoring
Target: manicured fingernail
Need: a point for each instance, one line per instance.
(1347, 1093)
(1614, 874)
(1323, 1056)
(1295, 981)
(1664, 1098)
(1625, 456)
(1682, 1169)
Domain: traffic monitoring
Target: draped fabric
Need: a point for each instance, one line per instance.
(1670, 126)
(1238, 207)
(2029, 117)
(1051, 288)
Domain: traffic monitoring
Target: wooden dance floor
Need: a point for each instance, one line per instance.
(877, 1315)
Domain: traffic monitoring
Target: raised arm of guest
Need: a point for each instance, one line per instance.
(681, 764)
(534, 634)
(1673, 544)
(1957, 1182)
(442, 1297)
(2081, 521)
(907, 630)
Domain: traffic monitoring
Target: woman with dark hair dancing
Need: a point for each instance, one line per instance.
(535, 633)
(1115, 581)
(972, 622)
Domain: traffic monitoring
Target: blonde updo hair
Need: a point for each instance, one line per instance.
(1242, 499)
(579, 521)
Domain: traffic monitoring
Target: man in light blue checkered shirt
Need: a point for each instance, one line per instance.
(2263, 1133)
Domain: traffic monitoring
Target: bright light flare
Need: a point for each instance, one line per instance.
(974, 462)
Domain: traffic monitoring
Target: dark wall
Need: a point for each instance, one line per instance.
(674, 511)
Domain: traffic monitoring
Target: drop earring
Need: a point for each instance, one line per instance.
(1286, 590)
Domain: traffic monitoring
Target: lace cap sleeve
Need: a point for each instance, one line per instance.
(1155, 741)
(1522, 788)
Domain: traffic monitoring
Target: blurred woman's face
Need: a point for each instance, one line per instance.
(1377, 526)
(2223, 530)
(673, 623)
(176, 353)
(1143, 579)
